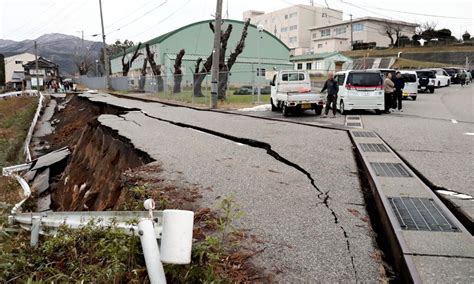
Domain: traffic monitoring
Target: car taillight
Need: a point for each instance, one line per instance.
(350, 87)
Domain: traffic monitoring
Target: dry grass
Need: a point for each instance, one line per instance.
(412, 49)
(402, 63)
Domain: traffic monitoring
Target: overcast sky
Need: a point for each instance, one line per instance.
(141, 20)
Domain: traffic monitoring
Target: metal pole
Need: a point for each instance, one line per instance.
(259, 69)
(35, 229)
(352, 38)
(97, 68)
(36, 66)
(106, 57)
(151, 252)
(216, 55)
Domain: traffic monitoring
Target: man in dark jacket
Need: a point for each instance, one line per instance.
(398, 94)
(331, 86)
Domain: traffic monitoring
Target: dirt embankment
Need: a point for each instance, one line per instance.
(91, 179)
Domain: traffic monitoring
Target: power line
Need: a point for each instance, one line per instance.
(139, 18)
(129, 14)
(410, 13)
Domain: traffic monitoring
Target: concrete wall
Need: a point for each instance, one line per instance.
(11, 66)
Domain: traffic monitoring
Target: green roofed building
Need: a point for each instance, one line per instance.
(197, 41)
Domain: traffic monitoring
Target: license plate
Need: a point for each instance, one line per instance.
(405, 94)
(305, 106)
(423, 87)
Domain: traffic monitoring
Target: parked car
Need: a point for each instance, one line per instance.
(291, 91)
(266, 90)
(426, 80)
(442, 78)
(454, 74)
(411, 84)
(244, 90)
(360, 89)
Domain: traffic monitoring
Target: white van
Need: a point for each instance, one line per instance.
(411, 84)
(360, 89)
(442, 78)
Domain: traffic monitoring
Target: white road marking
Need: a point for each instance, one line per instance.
(469, 133)
(454, 121)
(454, 194)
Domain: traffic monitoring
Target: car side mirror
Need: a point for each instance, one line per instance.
(272, 83)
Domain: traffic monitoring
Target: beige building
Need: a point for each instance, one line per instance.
(14, 64)
(337, 36)
(291, 25)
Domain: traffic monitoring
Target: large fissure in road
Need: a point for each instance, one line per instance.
(91, 179)
(322, 196)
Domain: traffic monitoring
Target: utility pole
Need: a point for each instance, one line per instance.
(82, 46)
(36, 66)
(106, 57)
(352, 38)
(216, 55)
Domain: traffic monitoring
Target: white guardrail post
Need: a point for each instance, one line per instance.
(32, 128)
(174, 227)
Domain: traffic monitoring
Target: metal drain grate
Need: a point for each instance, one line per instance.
(354, 124)
(373, 147)
(390, 170)
(363, 134)
(421, 214)
(353, 118)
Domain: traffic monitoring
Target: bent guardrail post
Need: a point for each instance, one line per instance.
(26, 192)
(156, 273)
(32, 128)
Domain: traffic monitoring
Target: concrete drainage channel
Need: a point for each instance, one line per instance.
(428, 242)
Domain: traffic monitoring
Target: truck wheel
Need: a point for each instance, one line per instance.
(318, 110)
(378, 112)
(432, 90)
(413, 98)
(341, 107)
(285, 110)
(274, 108)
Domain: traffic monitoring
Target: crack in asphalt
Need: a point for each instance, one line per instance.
(323, 196)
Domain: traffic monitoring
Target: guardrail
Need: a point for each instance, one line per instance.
(19, 93)
(173, 227)
(32, 128)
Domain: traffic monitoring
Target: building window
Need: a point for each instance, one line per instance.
(284, 30)
(341, 30)
(294, 27)
(293, 15)
(261, 72)
(299, 66)
(320, 45)
(18, 62)
(286, 17)
(293, 39)
(319, 65)
(357, 27)
(325, 15)
(325, 32)
(315, 35)
(308, 66)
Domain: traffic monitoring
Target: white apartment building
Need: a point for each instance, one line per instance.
(337, 36)
(291, 25)
(15, 64)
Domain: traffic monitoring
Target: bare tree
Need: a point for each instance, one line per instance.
(393, 31)
(126, 65)
(224, 68)
(178, 73)
(143, 75)
(154, 68)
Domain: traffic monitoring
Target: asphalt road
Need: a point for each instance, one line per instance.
(304, 238)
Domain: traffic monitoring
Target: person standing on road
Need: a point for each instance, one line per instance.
(462, 77)
(398, 94)
(388, 88)
(331, 86)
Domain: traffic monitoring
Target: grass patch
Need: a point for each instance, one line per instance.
(411, 49)
(402, 63)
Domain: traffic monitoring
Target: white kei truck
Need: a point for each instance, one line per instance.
(291, 92)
